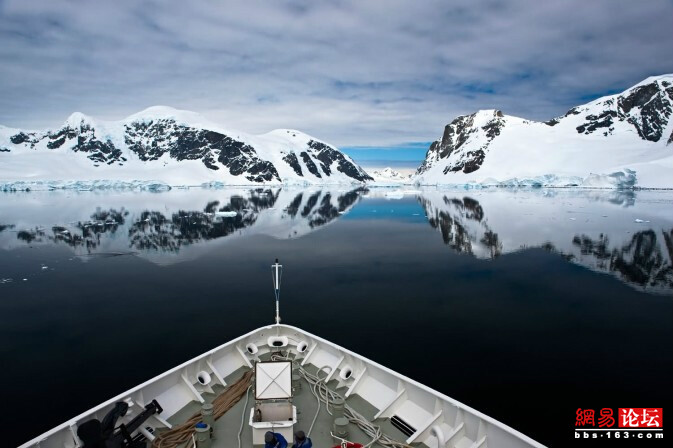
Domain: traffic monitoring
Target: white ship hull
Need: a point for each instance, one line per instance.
(436, 420)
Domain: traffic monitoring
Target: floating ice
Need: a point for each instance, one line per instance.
(86, 185)
(226, 214)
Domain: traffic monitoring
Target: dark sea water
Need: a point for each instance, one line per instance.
(525, 305)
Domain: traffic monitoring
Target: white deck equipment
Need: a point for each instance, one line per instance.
(273, 409)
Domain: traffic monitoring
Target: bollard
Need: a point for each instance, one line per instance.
(207, 414)
(341, 427)
(202, 435)
(207, 417)
(337, 406)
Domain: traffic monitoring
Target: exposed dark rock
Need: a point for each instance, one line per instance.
(292, 160)
(573, 111)
(604, 120)
(638, 97)
(185, 143)
(431, 156)
(654, 115)
(456, 134)
(151, 140)
(25, 138)
(328, 155)
(19, 138)
(56, 140)
(98, 151)
(469, 163)
(493, 127)
(154, 139)
(312, 168)
(552, 122)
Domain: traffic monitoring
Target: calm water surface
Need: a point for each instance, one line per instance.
(522, 304)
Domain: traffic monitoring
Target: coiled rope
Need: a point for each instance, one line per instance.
(182, 434)
(324, 394)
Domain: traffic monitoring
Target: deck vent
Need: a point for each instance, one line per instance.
(403, 426)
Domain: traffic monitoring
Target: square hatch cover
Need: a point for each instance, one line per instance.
(273, 380)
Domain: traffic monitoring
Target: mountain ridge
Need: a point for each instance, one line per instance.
(174, 146)
(620, 140)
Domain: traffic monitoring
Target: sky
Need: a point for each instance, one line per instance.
(379, 79)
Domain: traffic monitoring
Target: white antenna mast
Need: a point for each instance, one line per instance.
(276, 273)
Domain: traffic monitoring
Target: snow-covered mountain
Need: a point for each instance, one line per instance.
(621, 140)
(170, 146)
(389, 176)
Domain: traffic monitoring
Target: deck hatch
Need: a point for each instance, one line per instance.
(403, 426)
(273, 380)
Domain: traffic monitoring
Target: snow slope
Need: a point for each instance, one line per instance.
(388, 177)
(617, 141)
(171, 147)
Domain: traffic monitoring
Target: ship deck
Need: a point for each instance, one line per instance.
(425, 417)
(226, 428)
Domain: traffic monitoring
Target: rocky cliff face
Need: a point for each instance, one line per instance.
(459, 132)
(630, 130)
(162, 137)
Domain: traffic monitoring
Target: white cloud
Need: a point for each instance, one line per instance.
(349, 72)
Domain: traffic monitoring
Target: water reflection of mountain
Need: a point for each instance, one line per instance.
(275, 212)
(85, 234)
(453, 222)
(603, 235)
(645, 260)
(153, 230)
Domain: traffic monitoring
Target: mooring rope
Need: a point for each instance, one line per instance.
(182, 434)
(324, 395)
